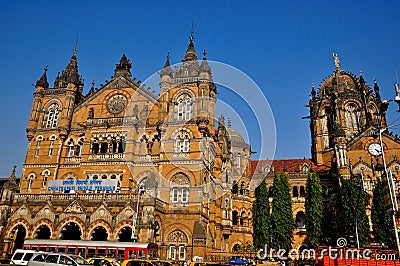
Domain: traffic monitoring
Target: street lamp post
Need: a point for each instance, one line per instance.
(141, 190)
(390, 189)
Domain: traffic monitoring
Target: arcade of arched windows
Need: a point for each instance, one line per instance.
(107, 143)
(241, 217)
(240, 188)
(150, 145)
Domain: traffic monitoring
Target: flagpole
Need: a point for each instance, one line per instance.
(390, 190)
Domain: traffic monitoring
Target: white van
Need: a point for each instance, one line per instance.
(22, 256)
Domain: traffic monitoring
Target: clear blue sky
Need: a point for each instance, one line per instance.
(283, 46)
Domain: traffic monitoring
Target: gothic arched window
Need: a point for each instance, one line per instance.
(353, 117)
(31, 177)
(375, 117)
(79, 148)
(184, 108)
(71, 148)
(53, 112)
(182, 143)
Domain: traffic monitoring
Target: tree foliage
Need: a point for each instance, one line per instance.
(346, 208)
(282, 222)
(382, 223)
(314, 210)
(261, 217)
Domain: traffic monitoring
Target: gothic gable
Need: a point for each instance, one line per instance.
(24, 212)
(74, 207)
(125, 214)
(101, 213)
(47, 212)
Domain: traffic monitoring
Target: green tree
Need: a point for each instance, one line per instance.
(261, 217)
(382, 223)
(314, 210)
(282, 222)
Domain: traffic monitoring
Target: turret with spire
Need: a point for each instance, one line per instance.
(205, 69)
(42, 82)
(190, 64)
(70, 74)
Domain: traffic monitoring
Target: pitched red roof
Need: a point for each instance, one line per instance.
(285, 165)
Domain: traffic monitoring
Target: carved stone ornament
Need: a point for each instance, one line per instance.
(117, 103)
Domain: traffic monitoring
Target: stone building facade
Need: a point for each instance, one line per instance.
(185, 173)
(169, 146)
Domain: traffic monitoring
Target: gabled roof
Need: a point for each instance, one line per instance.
(290, 166)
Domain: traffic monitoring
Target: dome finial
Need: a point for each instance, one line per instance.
(229, 122)
(336, 60)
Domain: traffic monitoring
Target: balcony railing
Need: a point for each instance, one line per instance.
(112, 121)
(107, 156)
(72, 159)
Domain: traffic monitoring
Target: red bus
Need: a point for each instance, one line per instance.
(91, 249)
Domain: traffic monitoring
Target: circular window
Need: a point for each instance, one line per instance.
(117, 103)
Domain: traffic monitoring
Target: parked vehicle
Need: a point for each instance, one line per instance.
(22, 256)
(52, 259)
(136, 262)
(101, 261)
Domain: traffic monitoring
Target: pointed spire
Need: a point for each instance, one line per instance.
(167, 64)
(204, 67)
(91, 91)
(313, 93)
(42, 82)
(190, 51)
(14, 170)
(70, 74)
(123, 68)
(11, 183)
(362, 81)
(167, 67)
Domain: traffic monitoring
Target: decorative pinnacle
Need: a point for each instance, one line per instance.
(14, 168)
(204, 54)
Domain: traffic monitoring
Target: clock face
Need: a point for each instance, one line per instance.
(375, 149)
(117, 103)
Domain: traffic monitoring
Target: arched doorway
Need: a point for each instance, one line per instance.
(71, 231)
(19, 235)
(99, 234)
(43, 232)
(125, 234)
(236, 248)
